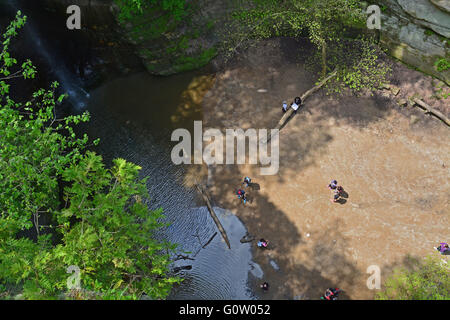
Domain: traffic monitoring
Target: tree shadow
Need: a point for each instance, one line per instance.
(248, 93)
(325, 265)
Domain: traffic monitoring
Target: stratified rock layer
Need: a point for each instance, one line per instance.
(417, 32)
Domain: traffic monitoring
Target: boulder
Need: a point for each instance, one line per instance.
(426, 14)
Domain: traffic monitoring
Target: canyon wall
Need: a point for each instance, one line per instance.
(417, 32)
(414, 31)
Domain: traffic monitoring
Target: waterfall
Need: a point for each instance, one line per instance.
(69, 83)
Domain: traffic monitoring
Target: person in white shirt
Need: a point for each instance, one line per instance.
(296, 104)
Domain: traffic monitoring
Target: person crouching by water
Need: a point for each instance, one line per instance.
(265, 286)
(296, 104)
(262, 243)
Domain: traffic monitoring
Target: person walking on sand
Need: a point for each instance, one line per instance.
(247, 182)
(331, 294)
(333, 185)
(241, 195)
(336, 195)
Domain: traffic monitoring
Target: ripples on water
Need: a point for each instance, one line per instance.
(217, 272)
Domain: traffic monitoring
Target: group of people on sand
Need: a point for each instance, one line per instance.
(330, 293)
(262, 243)
(241, 192)
(337, 191)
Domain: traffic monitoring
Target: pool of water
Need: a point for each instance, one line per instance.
(134, 117)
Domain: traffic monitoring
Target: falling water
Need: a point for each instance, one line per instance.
(69, 84)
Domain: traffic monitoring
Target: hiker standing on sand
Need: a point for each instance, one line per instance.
(247, 182)
(331, 294)
(241, 195)
(332, 185)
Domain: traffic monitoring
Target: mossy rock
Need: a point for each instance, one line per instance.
(166, 45)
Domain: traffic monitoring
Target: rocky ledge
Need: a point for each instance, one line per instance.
(417, 33)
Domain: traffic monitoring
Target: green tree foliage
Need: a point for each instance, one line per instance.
(429, 280)
(442, 65)
(329, 24)
(60, 206)
(131, 8)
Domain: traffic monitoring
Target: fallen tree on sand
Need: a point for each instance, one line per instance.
(304, 96)
(432, 111)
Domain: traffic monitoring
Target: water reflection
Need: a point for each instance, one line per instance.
(133, 117)
(217, 272)
(161, 104)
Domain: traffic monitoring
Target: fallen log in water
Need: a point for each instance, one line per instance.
(308, 93)
(436, 113)
(247, 238)
(209, 241)
(213, 214)
(178, 269)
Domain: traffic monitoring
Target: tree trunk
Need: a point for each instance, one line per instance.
(290, 111)
(430, 110)
(324, 59)
(213, 215)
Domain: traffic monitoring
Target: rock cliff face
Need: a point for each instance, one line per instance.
(165, 46)
(100, 48)
(417, 32)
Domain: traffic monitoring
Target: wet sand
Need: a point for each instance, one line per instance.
(393, 162)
